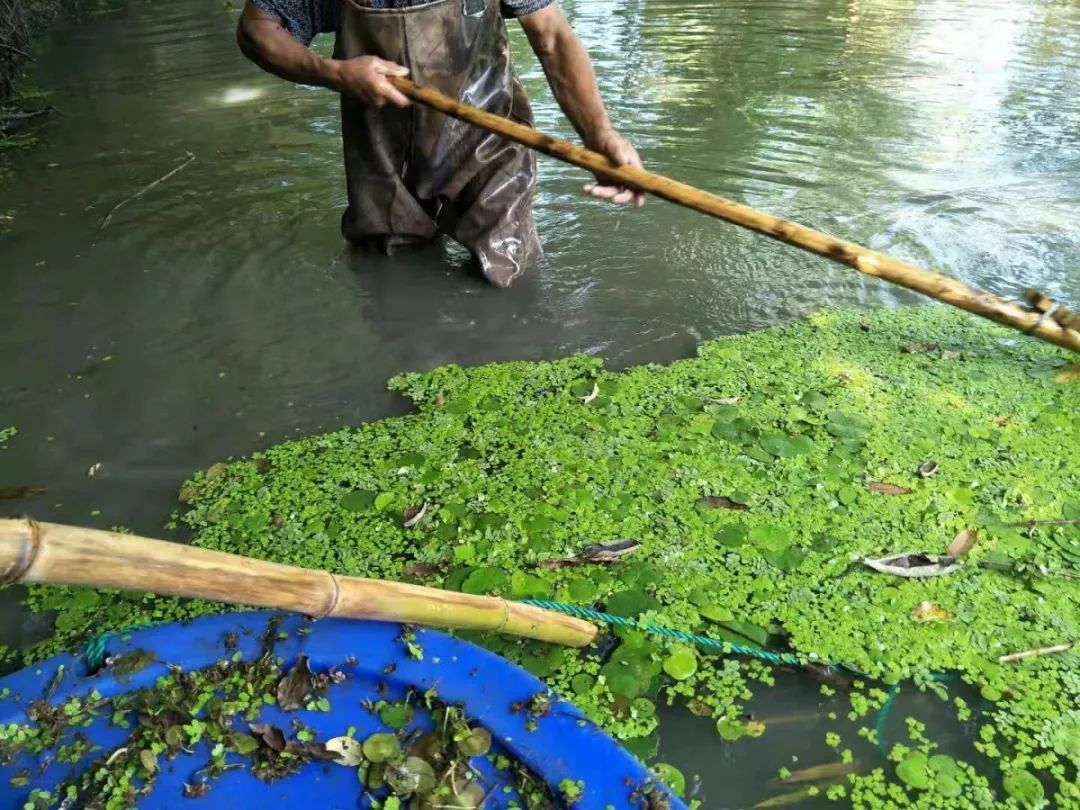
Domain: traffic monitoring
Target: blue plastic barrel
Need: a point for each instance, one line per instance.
(561, 745)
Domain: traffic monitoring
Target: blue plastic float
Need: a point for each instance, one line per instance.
(561, 745)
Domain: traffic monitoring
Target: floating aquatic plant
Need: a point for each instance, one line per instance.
(753, 480)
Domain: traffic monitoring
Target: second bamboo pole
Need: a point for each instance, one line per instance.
(51, 553)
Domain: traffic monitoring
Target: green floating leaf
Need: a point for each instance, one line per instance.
(486, 580)
(716, 613)
(396, 715)
(730, 729)
(672, 777)
(1024, 787)
(914, 770)
(630, 602)
(782, 445)
(732, 536)
(476, 743)
(770, 537)
(382, 747)
(681, 662)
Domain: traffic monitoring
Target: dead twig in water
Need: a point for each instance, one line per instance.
(19, 51)
(1037, 651)
(108, 217)
(24, 116)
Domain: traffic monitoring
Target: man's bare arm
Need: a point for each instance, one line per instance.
(265, 41)
(570, 73)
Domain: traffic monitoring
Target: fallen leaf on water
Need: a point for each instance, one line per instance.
(753, 728)
(18, 493)
(592, 394)
(413, 515)
(347, 751)
(886, 488)
(830, 770)
(1070, 374)
(962, 543)
(90, 473)
(917, 346)
(928, 469)
(931, 612)
(609, 552)
(723, 502)
(294, 688)
(914, 565)
(422, 570)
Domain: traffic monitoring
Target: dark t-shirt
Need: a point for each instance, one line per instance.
(306, 18)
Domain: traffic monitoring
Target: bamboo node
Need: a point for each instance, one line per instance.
(506, 616)
(332, 597)
(27, 554)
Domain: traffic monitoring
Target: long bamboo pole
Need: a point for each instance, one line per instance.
(69, 555)
(865, 260)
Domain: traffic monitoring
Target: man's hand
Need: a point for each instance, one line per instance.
(263, 39)
(365, 77)
(622, 152)
(573, 80)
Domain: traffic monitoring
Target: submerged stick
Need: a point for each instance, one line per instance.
(1037, 651)
(108, 217)
(68, 555)
(867, 261)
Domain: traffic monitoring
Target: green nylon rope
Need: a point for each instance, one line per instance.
(702, 641)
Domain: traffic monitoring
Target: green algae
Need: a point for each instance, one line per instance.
(744, 474)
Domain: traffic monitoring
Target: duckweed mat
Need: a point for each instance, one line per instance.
(756, 477)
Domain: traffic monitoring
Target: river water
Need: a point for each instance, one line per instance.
(220, 313)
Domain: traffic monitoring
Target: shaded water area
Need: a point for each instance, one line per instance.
(221, 313)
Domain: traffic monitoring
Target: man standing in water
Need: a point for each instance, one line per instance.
(413, 173)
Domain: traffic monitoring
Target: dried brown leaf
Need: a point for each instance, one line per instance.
(18, 493)
(413, 515)
(886, 488)
(422, 570)
(962, 543)
(272, 736)
(1070, 374)
(917, 347)
(915, 565)
(723, 502)
(931, 612)
(294, 688)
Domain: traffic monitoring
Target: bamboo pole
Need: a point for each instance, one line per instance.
(865, 260)
(69, 555)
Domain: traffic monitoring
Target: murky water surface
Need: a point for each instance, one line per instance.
(220, 312)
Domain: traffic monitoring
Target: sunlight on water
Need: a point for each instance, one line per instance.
(242, 95)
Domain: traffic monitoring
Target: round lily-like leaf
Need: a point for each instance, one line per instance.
(716, 613)
(914, 770)
(382, 747)
(348, 751)
(476, 744)
(396, 715)
(672, 777)
(681, 662)
(1024, 787)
